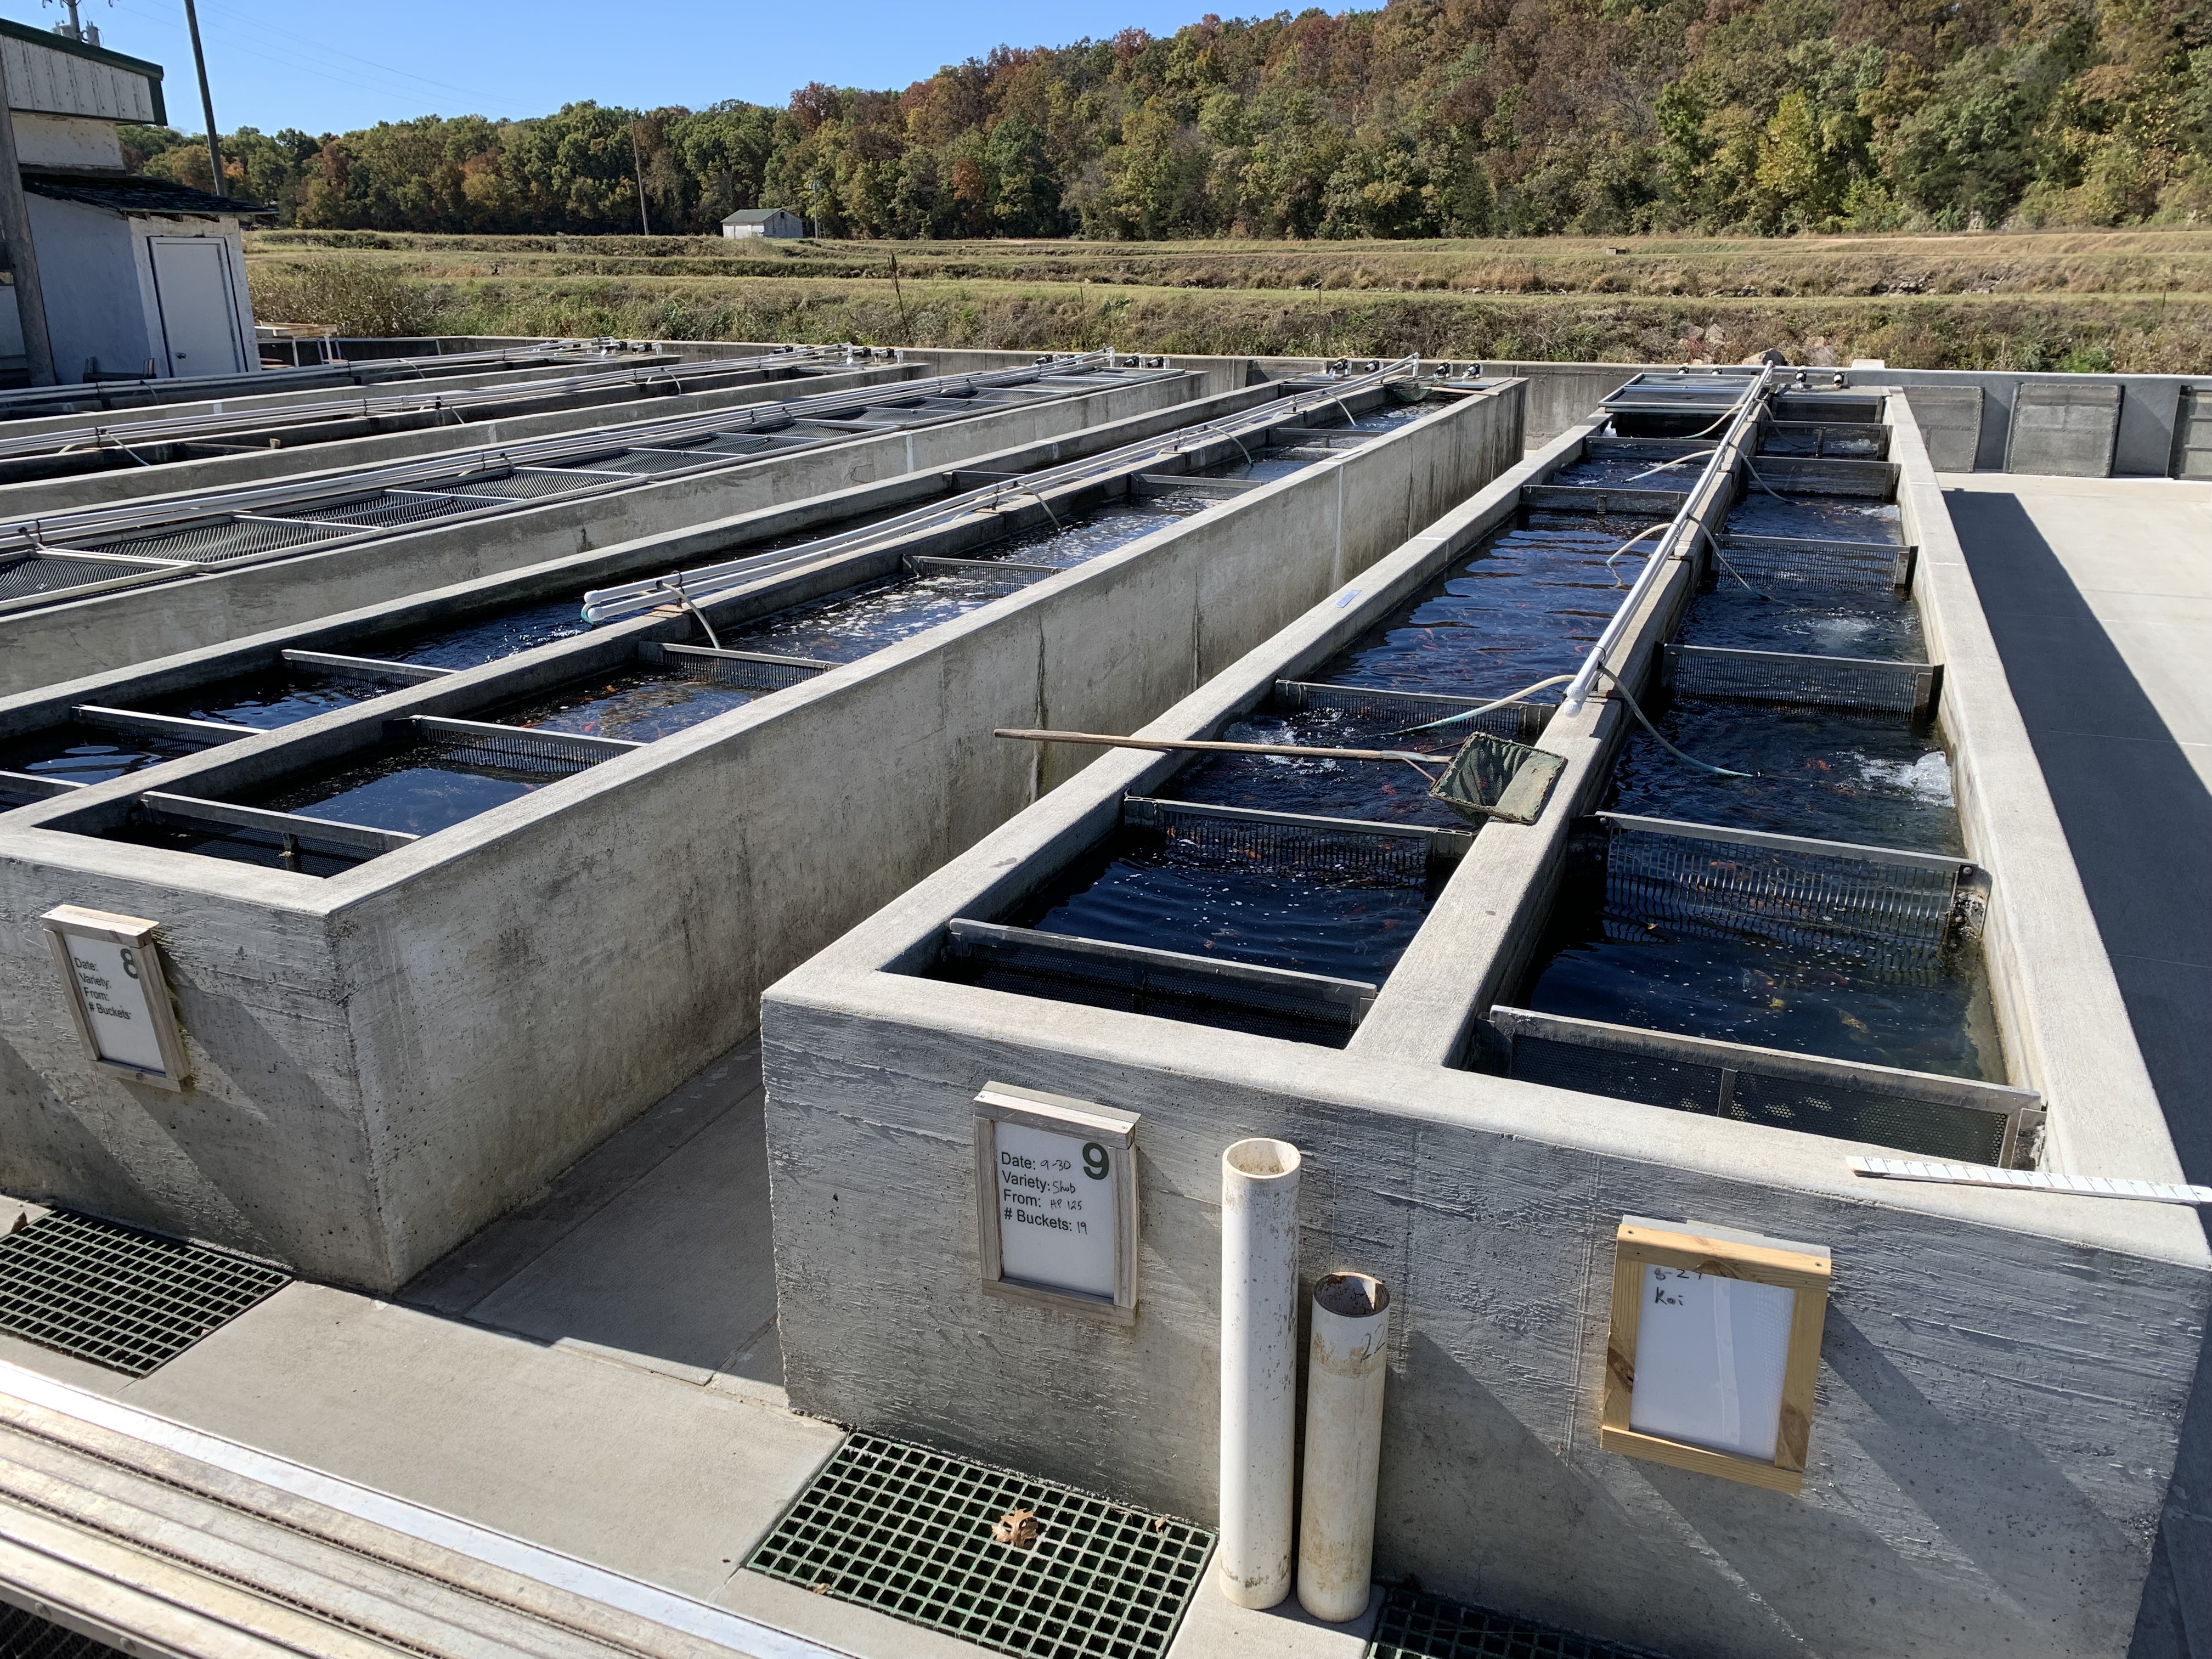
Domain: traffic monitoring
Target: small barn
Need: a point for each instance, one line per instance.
(139, 276)
(764, 221)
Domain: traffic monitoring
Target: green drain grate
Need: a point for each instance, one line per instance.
(117, 1297)
(1411, 1625)
(25, 1636)
(906, 1531)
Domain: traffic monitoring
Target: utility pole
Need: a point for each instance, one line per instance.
(637, 172)
(22, 257)
(207, 101)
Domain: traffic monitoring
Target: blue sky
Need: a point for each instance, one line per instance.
(328, 68)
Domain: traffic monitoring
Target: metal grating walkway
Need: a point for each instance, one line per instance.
(25, 1636)
(1411, 1625)
(906, 1531)
(124, 1299)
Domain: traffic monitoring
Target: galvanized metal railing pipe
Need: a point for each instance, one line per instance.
(1578, 689)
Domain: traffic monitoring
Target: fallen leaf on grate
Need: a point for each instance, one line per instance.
(1016, 1526)
(821, 1588)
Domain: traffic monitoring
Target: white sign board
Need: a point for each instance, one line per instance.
(1056, 1209)
(1714, 1352)
(113, 990)
(1056, 1201)
(111, 973)
(1710, 1355)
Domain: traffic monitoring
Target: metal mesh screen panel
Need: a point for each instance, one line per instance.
(655, 460)
(117, 1297)
(25, 1636)
(906, 1531)
(1878, 688)
(742, 676)
(1933, 1128)
(1894, 915)
(1813, 566)
(736, 443)
(1167, 989)
(524, 486)
(382, 511)
(1411, 1625)
(210, 544)
(524, 750)
(21, 578)
(1311, 851)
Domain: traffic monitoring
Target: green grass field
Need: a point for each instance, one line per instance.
(2128, 301)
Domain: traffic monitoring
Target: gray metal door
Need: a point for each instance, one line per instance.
(199, 322)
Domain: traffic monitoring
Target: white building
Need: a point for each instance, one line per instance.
(764, 221)
(135, 271)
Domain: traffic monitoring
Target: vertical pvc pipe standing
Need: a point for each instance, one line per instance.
(1259, 1369)
(1344, 1444)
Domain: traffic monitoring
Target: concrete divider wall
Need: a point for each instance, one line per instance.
(368, 630)
(1960, 1500)
(427, 1039)
(66, 642)
(416, 435)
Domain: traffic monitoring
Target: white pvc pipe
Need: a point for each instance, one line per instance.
(1259, 1369)
(1344, 1444)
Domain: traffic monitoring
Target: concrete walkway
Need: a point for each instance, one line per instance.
(596, 1373)
(2100, 594)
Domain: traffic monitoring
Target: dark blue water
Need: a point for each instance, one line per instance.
(1630, 972)
(637, 704)
(1829, 517)
(1385, 792)
(86, 754)
(266, 701)
(853, 624)
(1140, 888)
(413, 791)
(1632, 471)
(1789, 616)
(471, 644)
(1825, 773)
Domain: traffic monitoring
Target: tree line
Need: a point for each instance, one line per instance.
(1427, 117)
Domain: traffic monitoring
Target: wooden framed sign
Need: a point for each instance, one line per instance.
(1056, 1201)
(1714, 1350)
(111, 975)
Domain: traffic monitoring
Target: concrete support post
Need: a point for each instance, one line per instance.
(1259, 1369)
(1344, 1444)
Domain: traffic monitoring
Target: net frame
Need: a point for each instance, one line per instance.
(1492, 777)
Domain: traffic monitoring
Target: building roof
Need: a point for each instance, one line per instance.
(134, 193)
(758, 215)
(27, 96)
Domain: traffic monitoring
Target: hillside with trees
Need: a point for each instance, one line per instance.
(1425, 118)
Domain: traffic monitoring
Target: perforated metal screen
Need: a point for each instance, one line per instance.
(1415, 1626)
(906, 1531)
(25, 1636)
(120, 1298)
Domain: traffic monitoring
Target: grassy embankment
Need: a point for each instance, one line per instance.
(2136, 301)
